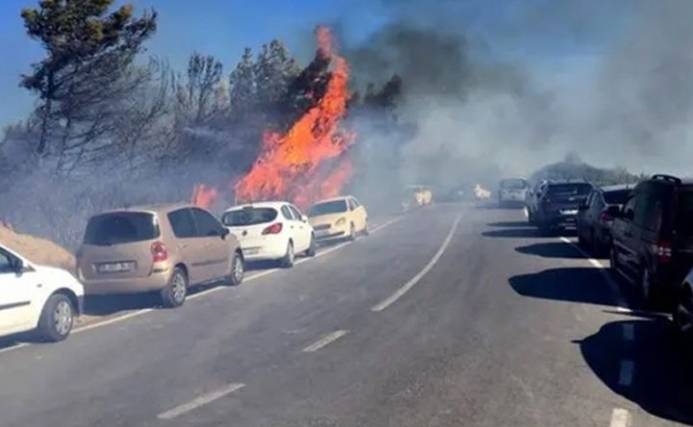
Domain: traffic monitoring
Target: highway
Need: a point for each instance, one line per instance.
(451, 315)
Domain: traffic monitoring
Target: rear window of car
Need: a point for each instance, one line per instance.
(684, 224)
(617, 197)
(249, 216)
(327, 208)
(513, 184)
(121, 227)
(569, 189)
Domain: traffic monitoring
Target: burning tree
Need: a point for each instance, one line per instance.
(310, 159)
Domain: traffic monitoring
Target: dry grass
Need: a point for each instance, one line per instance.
(37, 250)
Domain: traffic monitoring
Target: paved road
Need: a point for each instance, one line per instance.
(451, 316)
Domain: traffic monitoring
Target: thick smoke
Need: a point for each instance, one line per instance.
(613, 87)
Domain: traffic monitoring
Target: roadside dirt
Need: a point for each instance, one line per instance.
(40, 251)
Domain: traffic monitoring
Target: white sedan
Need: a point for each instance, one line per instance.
(35, 297)
(271, 231)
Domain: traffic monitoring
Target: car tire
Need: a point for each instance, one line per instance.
(235, 278)
(352, 232)
(57, 318)
(176, 291)
(683, 326)
(288, 260)
(312, 249)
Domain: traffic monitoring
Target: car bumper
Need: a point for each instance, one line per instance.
(266, 250)
(153, 282)
(80, 305)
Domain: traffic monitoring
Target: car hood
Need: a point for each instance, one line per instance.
(327, 219)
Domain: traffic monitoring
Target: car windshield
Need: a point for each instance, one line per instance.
(327, 208)
(617, 197)
(120, 227)
(249, 216)
(513, 184)
(567, 190)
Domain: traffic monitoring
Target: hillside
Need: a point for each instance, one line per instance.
(37, 250)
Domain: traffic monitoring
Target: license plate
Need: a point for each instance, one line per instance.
(569, 212)
(116, 267)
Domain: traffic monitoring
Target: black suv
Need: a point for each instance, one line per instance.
(557, 205)
(653, 237)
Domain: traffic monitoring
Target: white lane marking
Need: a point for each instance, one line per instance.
(619, 418)
(628, 332)
(615, 290)
(14, 347)
(324, 341)
(250, 278)
(414, 280)
(200, 401)
(114, 320)
(625, 374)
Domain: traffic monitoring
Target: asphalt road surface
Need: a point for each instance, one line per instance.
(448, 316)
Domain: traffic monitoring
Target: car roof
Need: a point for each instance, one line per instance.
(567, 181)
(332, 199)
(270, 204)
(162, 208)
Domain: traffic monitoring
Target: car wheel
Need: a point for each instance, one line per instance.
(682, 315)
(352, 232)
(57, 318)
(237, 270)
(175, 292)
(289, 257)
(312, 248)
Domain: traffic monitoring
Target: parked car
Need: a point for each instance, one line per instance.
(532, 198)
(164, 249)
(35, 297)
(271, 231)
(596, 216)
(416, 196)
(558, 203)
(683, 311)
(338, 218)
(512, 192)
(653, 237)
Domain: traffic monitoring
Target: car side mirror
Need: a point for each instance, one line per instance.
(304, 218)
(224, 232)
(17, 265)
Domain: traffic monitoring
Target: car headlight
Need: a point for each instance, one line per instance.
(340, 221)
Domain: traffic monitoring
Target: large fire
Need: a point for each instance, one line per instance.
(309, 161)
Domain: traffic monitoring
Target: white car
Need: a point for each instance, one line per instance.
(271, 231)
(512, 191)
(35, 297)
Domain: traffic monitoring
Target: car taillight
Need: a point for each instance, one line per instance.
(663, 251)
(273, 229)
(606, 217)
(159, 252)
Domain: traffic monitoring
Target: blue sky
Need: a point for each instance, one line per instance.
(225, 27)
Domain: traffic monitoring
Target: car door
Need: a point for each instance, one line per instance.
(214, 256)
(290, 230)
(189, 246)
(631, 233)
(16, 294)
(304, 230)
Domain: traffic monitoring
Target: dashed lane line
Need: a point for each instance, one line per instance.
(325, 341)
(625, 373)
(620, 418)
(200, 401)
(414, 280)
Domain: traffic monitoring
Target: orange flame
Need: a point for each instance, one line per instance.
(204, 196)
(309, 161)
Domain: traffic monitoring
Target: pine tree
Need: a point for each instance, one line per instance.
(242, 88)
